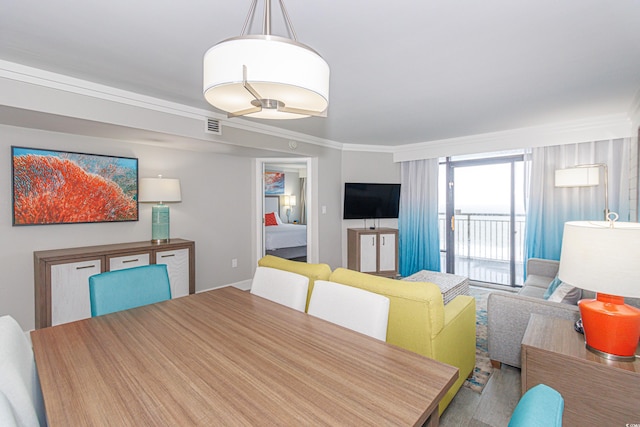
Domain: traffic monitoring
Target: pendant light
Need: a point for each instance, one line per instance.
(266, 76)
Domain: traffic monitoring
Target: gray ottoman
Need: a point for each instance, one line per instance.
(450, 285)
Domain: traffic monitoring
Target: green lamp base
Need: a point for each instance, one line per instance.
(160, 223)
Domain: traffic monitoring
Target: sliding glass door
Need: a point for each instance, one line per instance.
(482, 218)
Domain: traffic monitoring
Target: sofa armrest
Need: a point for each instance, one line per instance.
(455, 343)
(508, 317)
(542, 267)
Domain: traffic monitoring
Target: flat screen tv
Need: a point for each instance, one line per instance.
(365, 201)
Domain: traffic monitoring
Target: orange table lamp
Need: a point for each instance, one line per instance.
(604, 257)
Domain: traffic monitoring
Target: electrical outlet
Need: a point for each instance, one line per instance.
(234, 263)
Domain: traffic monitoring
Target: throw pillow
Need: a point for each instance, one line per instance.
(552, 287)
(270, 219)
(566, 294)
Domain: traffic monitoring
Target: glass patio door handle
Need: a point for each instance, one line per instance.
(453, 223)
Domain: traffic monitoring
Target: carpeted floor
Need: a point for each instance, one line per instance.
(483, 369)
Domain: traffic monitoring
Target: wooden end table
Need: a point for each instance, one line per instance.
(596, 391)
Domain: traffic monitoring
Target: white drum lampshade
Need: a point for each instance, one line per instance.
(266, 76)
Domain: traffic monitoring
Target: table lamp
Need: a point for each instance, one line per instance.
(289, 203)
(159, 190)
(604, 257)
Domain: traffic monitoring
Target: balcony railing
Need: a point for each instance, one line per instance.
(485, 239)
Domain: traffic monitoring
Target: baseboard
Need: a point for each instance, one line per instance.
(243, 285)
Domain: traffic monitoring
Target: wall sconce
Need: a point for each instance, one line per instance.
(585, 176)
(159, 190)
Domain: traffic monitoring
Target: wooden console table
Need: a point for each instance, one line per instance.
(596, 391)
(62, 275)
(373, 251)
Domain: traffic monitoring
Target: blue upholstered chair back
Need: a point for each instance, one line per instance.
(540, 406)
(132, 287)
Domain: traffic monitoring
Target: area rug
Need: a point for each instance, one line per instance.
(483, 369)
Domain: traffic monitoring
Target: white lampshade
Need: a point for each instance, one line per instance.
(159, 190)
(577, 177)
(598, 257)
(292, 200)
(277, 68)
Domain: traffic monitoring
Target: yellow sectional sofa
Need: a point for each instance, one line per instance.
(418, 319)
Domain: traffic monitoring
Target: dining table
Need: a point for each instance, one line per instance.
(226, 357)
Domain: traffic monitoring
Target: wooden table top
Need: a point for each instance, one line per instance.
(226, 357)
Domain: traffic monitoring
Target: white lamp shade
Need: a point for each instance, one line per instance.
(601, 258)
(277, 68)
(292, 200)
(577, 177)
(159, 190)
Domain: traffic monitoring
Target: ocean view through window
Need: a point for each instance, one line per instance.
(482, 216)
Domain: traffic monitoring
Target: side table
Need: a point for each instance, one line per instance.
(596, 391)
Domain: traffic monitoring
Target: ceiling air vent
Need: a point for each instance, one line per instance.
(213, 126)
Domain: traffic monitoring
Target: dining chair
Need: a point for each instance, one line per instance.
(540, 406)
(283, 287)
(128, 288)
(19, 381)
(362, 311)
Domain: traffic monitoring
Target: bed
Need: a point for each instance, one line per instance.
(281, 239)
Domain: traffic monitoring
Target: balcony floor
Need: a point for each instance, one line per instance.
(479, 270)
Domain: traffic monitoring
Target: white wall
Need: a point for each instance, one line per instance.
(214, 212)
(358, 166)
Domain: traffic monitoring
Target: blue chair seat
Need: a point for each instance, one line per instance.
(540, 406)
(132, 287)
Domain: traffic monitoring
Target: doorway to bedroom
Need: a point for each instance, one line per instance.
(283, 208)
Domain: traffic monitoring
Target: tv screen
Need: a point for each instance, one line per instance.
(364, 201)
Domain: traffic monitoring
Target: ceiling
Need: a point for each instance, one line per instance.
(402, 72)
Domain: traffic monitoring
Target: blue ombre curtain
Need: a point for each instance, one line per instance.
(550, 207)
(418, 217)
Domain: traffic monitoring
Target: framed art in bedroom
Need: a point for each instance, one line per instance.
(274, 183)
(63, 187)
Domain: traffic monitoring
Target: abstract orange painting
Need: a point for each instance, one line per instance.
(61, 187)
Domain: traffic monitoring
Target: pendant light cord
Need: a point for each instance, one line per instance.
(266, 25)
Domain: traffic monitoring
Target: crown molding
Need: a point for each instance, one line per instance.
(370, 148)
(35, 76)
(588, 129)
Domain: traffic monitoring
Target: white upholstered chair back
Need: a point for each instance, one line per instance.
(281, 286)
(362, 311)
(7, 419)
(18, 376)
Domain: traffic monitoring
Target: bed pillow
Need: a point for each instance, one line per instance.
(278, 220)
(270, 219)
